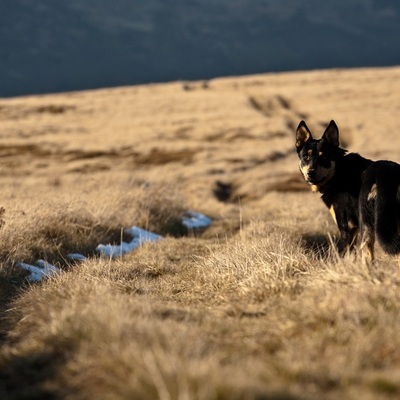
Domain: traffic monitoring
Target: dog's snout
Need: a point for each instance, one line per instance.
(312, 173)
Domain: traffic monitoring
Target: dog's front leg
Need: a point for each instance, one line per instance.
(348, 239)
(343, 209)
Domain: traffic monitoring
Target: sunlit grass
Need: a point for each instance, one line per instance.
(258, 306)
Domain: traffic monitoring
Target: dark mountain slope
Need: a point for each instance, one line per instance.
(51, 46)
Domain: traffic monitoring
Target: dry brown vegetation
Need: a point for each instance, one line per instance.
(257, 306)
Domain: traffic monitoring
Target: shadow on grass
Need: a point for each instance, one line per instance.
(27, 377)
(21, 377)
(319, 245)
(9, 290)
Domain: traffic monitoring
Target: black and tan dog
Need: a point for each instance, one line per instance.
(361, 194)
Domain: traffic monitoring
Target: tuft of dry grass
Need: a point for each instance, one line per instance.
(161, 209)
(184, 319)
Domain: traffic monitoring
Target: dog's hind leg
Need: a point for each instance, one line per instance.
(367, 245)
(366, 209)
(367, 228)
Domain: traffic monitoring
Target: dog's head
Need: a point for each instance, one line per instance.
(318, 156)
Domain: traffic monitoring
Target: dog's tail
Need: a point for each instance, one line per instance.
(386, 211)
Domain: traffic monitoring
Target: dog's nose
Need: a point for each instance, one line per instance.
(311, 173)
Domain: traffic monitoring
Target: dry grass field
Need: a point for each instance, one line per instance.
(258, 306)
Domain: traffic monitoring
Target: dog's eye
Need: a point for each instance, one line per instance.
(306, 158)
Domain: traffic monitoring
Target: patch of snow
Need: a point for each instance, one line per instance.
(76, 257)
(195, 220)
(142, 235)
(139, 236)
(42, 270)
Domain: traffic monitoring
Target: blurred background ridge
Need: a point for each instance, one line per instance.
(56, 46)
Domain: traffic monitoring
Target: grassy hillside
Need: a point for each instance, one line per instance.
(257, 306)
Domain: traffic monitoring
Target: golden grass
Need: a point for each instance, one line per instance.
(258, 306)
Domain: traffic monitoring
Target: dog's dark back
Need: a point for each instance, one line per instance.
(379, 204)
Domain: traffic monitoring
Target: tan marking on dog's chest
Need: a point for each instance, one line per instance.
(333, 214)
(314, 188)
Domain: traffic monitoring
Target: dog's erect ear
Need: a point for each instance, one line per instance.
(303, 135)
(331, 134)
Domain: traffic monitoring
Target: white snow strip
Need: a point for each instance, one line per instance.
(36, 274)
(142, 235)
(47, 267)
(195, 220)
(76, 257)
(139, 235)
(112, 251)
(44, 270)
(191, 220)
